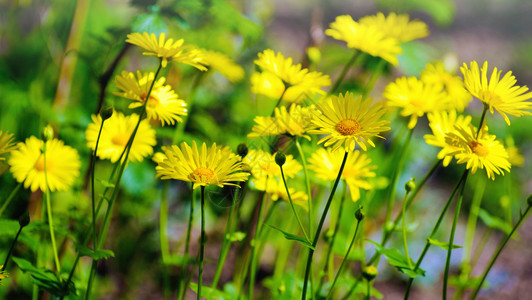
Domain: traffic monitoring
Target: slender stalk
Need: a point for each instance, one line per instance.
(355, 57)
(374, 76)
(183, 283)
(522, 217)
(163, 238)
(10, 198)
(202, 242)
(11, 248)
(451, 239)
(482, 117)
(279, 101)
(320, 225)
(329, 295)
(93, 196)
(255, 259)
(405, 244)
(307, 183)
(292, 205)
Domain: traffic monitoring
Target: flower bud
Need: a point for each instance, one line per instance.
(529, 200)
(242, 150)
(410, 185)
(47, 133)
(314, 54)
(280, 158)
(24, 219)
(106, 112)
(370, 272)
(360, 214)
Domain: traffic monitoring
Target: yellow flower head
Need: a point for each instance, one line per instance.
(350, 120)
(215, 165)
(223, 64)
(3, 274)
(115, 135)
(276, 189)
(163, 104)
(263, 165)
(358, 168)
(293, 122)
(369, 38)
(499, 94)
(280, 77)
(167, 50)
(443, 123)
(28, 164)
(483, 152)
(6, 143)
(397, 26)
(515, 157)
(457, 97)
(414, 97)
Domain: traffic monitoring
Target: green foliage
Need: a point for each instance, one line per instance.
(94, 254)
(443, 245)
(396, 259)
(303, 241)
(45, 278)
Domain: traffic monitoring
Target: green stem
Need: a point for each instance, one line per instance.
(320, 225)
(522, 217)
(91, 280)
(405, 244)
(93, 194)
(343, 261)
(183, 283)
(482, 117)
(255, 259)
(202, 242)
(368, 293)
(163, 238)
(279, 101)
(10, 198)
(451, 239)
(292, 205)
(357, 56)
(11, 248)
(374, 76)
(307, 183)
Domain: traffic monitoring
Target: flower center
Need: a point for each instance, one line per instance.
(152, 101)
(348, 127)
(203, 174)
(478, 148)
(490, 97)
(120, 140)
(39, 166)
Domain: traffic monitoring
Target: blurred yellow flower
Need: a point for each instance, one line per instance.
(457, 97)
(358, 168)
(499, 94)
(28, 165)
(397, 26)
(163, 104)
(370, 38)
(3, 275)
(295, 121)
(484, 151)
(223, 64)
(263, 165)
(441, 123)
(349, 119)
(414, 97)
(279, 77)
(215, 165)
(276, 189)
(6, 143)
(167, 50)
(115, 135)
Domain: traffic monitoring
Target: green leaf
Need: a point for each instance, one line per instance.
(494, 222)
(106, 184)
(236, 236)
(303, 241)
(398, 260)
(45, 278)
(9, 228)
(179, 260)
(443, 245)
(96, 255)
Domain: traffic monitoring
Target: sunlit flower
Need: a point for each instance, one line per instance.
(6, 143)
(350, 120)
(280, 77)
(276, 189)
(457, 97)
(215, 165)
(3, 275)
(397, 26)
(167, 50)
(163, 104)
(223, 64)
(514, 153)
(358, 168)
(115, 135)
(484, 151)
(28, 164)
(263, 165)
(499, 94)
(414, 97)
(443, 123)
(369, 38)
(295, 121)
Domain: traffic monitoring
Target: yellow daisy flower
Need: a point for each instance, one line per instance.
(369, 38)
(163, 105)
(62, 164)
(6, 143)
(276, 189)
(457, 97)
(358, 168)
(279, 74)
(397, 26)
(499, 94)
(443, 123)
(414, 97)
(263, 165)
(167, 50)
(223, 64)
(3, 275)
(293, 122)
(115, 135)
(207, 166)
(350, 120)
(483, 152)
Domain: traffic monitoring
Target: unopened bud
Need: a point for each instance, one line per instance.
(529, 200)
(370, 272)
(360, 214)
(410, 185)
(106, 112)
(242, 150)
(280, 158)
(47, 133)
(314, 54)
(24, 219)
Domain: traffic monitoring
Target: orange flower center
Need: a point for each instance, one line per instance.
(478, 148)
(152, 101)
(203, 174)
(120, 140)
(348, 127)
(490, 97)
(39, 165)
